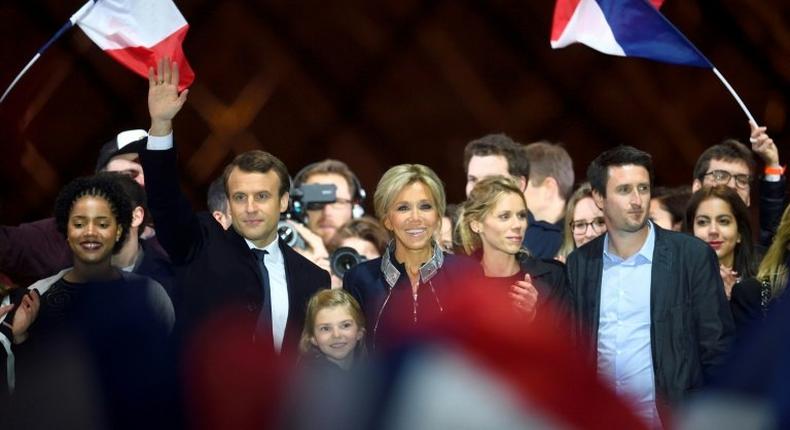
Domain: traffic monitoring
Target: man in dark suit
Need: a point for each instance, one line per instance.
(649, 303)
(245, 270)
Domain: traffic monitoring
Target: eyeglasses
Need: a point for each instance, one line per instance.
(598, 225)
(722, 177)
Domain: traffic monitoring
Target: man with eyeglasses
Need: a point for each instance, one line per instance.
(731, 163)
(327, 219)
(323, 221)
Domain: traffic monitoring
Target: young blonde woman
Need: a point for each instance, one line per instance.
(583, 221)
(491, 227)
(751, 304)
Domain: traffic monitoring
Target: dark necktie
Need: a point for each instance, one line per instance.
(264, 326)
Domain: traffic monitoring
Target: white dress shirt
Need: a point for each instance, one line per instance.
(624, 353)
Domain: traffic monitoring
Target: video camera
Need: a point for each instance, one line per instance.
(305, 197)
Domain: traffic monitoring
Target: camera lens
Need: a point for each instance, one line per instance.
(289, 235)
(343, 259)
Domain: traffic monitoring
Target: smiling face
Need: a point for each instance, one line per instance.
(412, 218)
(254, 204)
(627, 200)
(92, 230)
(335, 334)
(588, 222)
(502, 229)
(715, 223)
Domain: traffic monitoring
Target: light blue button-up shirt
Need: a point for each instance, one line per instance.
(624, 354)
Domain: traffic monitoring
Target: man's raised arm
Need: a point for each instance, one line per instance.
(178, 230)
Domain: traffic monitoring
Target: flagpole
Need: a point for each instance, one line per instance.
(63, 29)
(734, 95)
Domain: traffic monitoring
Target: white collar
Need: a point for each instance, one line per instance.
(274, 253)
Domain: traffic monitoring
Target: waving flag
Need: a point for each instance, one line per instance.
(134, 32)
(137, 33)
(629, 28)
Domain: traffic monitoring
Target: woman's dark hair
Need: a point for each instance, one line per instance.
(743, 262)
(96, 186)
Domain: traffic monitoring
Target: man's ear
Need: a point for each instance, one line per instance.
(138, 215)
(552, 185)
(598, 199)
(284, 202)
(522, 183)
(696, 185)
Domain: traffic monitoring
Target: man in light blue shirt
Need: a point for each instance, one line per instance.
(650, 301)
(624, 326)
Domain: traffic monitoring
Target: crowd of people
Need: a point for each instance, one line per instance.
(129, 309)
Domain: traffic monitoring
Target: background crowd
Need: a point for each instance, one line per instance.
(143, 312)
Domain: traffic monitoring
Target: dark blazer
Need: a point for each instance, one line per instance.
(746, 303)
(773, 199)
(548, 277)
(367, 284)
(215, 268)
(691, 324)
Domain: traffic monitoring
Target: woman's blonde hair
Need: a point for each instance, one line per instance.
(773, 269)
(481, 201)
(397, 178)
(568, 244)
(328, 299)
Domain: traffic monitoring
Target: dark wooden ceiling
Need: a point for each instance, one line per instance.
(382, 83)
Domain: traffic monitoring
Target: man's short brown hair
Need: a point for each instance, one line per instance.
(499, 144)
(257, 161)
(730, 151)
(327, 166)
(551, 160)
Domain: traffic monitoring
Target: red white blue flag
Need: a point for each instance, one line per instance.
(137, 33)
(627, 28)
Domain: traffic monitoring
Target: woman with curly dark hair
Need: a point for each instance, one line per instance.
(93, 318)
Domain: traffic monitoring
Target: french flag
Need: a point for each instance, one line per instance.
(137, 33)
(626, 28)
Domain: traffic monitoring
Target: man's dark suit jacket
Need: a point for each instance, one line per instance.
(216, 271)
(691, 325)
